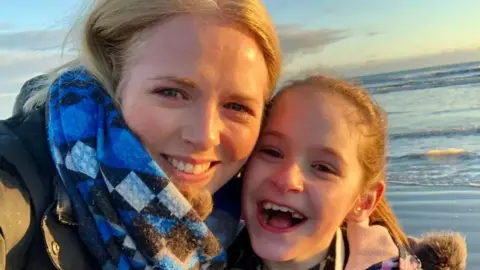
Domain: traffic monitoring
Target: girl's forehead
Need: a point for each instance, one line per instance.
(308, 102)
(312, 118)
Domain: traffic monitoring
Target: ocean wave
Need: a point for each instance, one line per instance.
(455, 110)
(422, 84)
(407, 183)
(456, 72)
(423, 73)
(440, 73)
(436, 133)
(456, 153)
(447, 152)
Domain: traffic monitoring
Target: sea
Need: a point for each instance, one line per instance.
(433, 179)
(434, 124)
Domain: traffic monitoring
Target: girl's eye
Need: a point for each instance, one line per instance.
(272, 152)
(237, 107)
(171, 93)
(323, 168)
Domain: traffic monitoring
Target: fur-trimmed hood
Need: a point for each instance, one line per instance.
(441, 251)
(435, 250)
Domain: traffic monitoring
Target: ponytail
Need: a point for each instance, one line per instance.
(383, 215)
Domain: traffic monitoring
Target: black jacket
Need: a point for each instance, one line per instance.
(37, 228)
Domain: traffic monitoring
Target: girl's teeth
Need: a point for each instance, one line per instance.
(188, 167)
(268, 206)
(296, 215)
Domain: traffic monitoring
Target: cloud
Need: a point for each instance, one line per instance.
(295, 40)
(32, 40)
(425, 60)
(332, 9)
(20, 65)
(373, 33)
(375, 66)
(5, 26)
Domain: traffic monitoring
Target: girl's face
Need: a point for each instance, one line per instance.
(304, 176)
(194, 92)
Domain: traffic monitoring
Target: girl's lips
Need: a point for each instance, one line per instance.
(264, 223)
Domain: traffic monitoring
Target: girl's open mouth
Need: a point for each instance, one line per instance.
(279, 218)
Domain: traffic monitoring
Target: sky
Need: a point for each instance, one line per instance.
(346, 37)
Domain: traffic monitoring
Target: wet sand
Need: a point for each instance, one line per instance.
(424, 208)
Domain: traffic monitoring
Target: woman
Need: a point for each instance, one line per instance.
(313, 194)
(176, 85)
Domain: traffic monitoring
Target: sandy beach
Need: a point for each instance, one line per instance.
(423, 208)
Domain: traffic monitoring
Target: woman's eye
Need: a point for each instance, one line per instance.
(323, 168)
(272, 152)
(237, 107)
(171, 93)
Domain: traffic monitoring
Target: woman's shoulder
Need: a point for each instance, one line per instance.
(15, 219)
(15, 214)
(25, 161)
(24, 146)
(26, 186)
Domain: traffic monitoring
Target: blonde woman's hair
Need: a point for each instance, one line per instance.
(372, 127)
(113, 27)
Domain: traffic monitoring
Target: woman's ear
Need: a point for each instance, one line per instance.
(363, 208)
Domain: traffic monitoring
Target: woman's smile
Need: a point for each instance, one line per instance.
(188, 170)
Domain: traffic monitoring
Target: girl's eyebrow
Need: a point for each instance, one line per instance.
(274, 133)
(333, 152)
(327, 149)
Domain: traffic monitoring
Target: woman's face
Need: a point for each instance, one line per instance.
(303, 178)
(194, 92)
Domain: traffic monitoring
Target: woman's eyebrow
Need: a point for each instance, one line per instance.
(186, 82)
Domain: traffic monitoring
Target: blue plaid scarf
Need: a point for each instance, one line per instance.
(130, 215)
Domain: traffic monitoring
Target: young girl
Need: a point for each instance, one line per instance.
(313, 195)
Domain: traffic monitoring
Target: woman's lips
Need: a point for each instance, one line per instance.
(186, 169)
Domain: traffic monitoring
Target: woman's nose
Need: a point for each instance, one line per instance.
(203, 129)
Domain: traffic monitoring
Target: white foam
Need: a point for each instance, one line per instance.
(407, 183)
(446, 152)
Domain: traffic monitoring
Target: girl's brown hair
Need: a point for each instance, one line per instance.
(372, 125)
